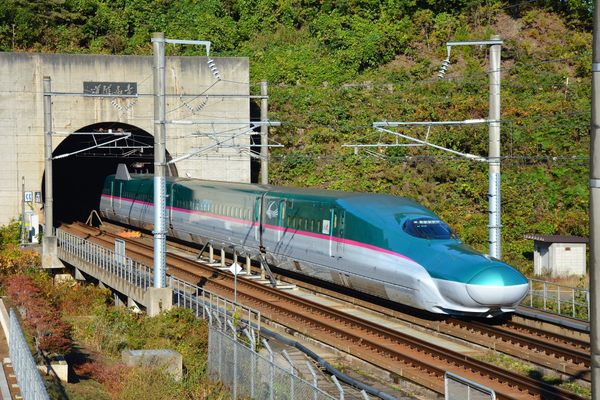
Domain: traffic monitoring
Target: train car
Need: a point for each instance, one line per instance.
(386, 246)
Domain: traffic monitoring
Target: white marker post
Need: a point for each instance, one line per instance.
(235, 269)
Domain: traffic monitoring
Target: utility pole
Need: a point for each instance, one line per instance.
(160, 165)
(264, 135)
(595, 208)
(494, 206)
(493, 159)
(48, 198)
(495, 221)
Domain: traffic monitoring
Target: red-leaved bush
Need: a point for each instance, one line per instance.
(112, 376)
(40, 317)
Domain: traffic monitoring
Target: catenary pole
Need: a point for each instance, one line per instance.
(48, 198)
(160, 165)
(495, 224)
(595, 208)
(264, 135)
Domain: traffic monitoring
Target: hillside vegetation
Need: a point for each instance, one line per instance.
(335, 67)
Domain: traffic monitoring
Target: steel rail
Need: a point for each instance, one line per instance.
(576, 356)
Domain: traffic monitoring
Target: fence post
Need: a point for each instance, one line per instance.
(235, 360)
(220, 345)
(271, 367)
(558, 299)
(210, 320)
(292, 374)
(315, 382)
(253, 361)
(337, 383)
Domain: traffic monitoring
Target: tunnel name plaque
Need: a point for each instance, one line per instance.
(116, 89)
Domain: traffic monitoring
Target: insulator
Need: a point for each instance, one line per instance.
(202, 104)
(213, 68)
(443, 68)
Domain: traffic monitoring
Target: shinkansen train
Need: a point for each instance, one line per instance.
(386, 246)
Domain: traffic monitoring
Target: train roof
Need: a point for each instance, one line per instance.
(348, 198)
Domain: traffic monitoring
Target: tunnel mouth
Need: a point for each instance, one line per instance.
(78, 176)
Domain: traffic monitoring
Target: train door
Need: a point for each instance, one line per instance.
(259, 219)
(171, 195)
(139, 205)
(330, 226)
(273, 213)
(112, 197)
(336, 223)
(117, 202)
(340, 221)
(280, 220)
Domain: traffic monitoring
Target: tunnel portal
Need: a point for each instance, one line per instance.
(79, 177)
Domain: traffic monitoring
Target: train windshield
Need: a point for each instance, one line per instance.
(428, 228)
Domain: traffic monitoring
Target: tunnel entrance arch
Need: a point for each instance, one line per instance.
(78, 178)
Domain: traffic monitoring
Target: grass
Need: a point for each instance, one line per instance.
(511, 364)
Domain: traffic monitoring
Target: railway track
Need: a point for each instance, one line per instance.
(567, 352)
(406, 356)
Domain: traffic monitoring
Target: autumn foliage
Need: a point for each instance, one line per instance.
(51, 334)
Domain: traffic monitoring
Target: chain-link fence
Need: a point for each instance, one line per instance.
(558, 299)
(232, 359)
(28, 376)
(204, 302)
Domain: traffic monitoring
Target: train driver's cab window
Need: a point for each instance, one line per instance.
(428, 228)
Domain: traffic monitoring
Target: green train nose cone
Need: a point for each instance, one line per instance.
(500, 284)
(499, 275)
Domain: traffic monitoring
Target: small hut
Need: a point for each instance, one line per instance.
(558, 255)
